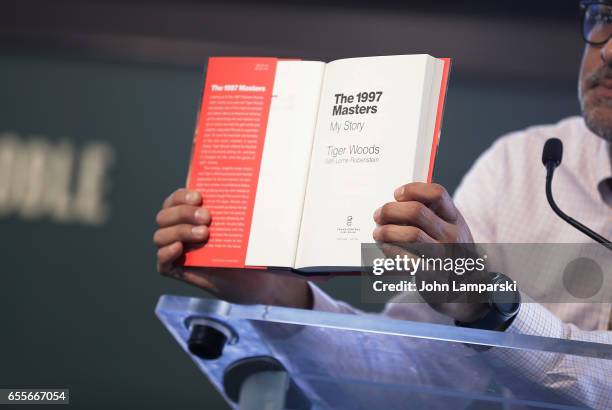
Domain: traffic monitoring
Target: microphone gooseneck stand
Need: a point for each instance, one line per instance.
(551, 157)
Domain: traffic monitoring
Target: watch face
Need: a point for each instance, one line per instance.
(506, 302)
(507, 308)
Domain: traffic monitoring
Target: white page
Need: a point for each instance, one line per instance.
(430, 112)
(284, 166)
(343, 192)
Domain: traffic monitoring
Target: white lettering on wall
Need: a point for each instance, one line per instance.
(41, 178)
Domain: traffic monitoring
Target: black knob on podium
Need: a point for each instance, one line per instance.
(206, 342)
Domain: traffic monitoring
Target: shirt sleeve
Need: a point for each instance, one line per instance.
(478, 194)
(584, 379)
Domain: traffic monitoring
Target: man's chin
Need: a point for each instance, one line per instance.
(598, 117)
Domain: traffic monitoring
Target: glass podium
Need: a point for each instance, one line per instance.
(264, 357)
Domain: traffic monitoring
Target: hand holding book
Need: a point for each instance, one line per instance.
(183, 224)
(425, 213)
(421, 213)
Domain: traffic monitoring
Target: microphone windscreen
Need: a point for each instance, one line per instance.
(553, 152)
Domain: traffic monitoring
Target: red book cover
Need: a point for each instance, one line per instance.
(229, 139)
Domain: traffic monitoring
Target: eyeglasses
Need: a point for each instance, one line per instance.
(596, 22)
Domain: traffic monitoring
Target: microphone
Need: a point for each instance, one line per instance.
(551, 158)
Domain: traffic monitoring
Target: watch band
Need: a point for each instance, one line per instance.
(499, 316)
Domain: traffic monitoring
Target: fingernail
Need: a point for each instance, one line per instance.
(399, 191)
(192, 196)
(198, 231)
(376, 233)
(377, 213)
(200, 215)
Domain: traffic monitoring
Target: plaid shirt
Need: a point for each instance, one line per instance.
(502, 199)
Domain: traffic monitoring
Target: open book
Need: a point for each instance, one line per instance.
(292, 157)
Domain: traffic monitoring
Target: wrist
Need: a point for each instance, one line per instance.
(503, 306)
(291, 292)
(471, 312)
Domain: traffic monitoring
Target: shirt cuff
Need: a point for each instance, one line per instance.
(534, 319)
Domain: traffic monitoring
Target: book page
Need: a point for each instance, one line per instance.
(423, 160)
(372, 116)
(285, 163)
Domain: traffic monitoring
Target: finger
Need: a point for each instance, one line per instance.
(183, 214)
(396, 234)
(391, 251)
(434, 196)
(167, 255)
(180, 233)
(413, 213)
(183, 196)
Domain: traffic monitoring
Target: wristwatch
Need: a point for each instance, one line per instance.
(503, 306)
